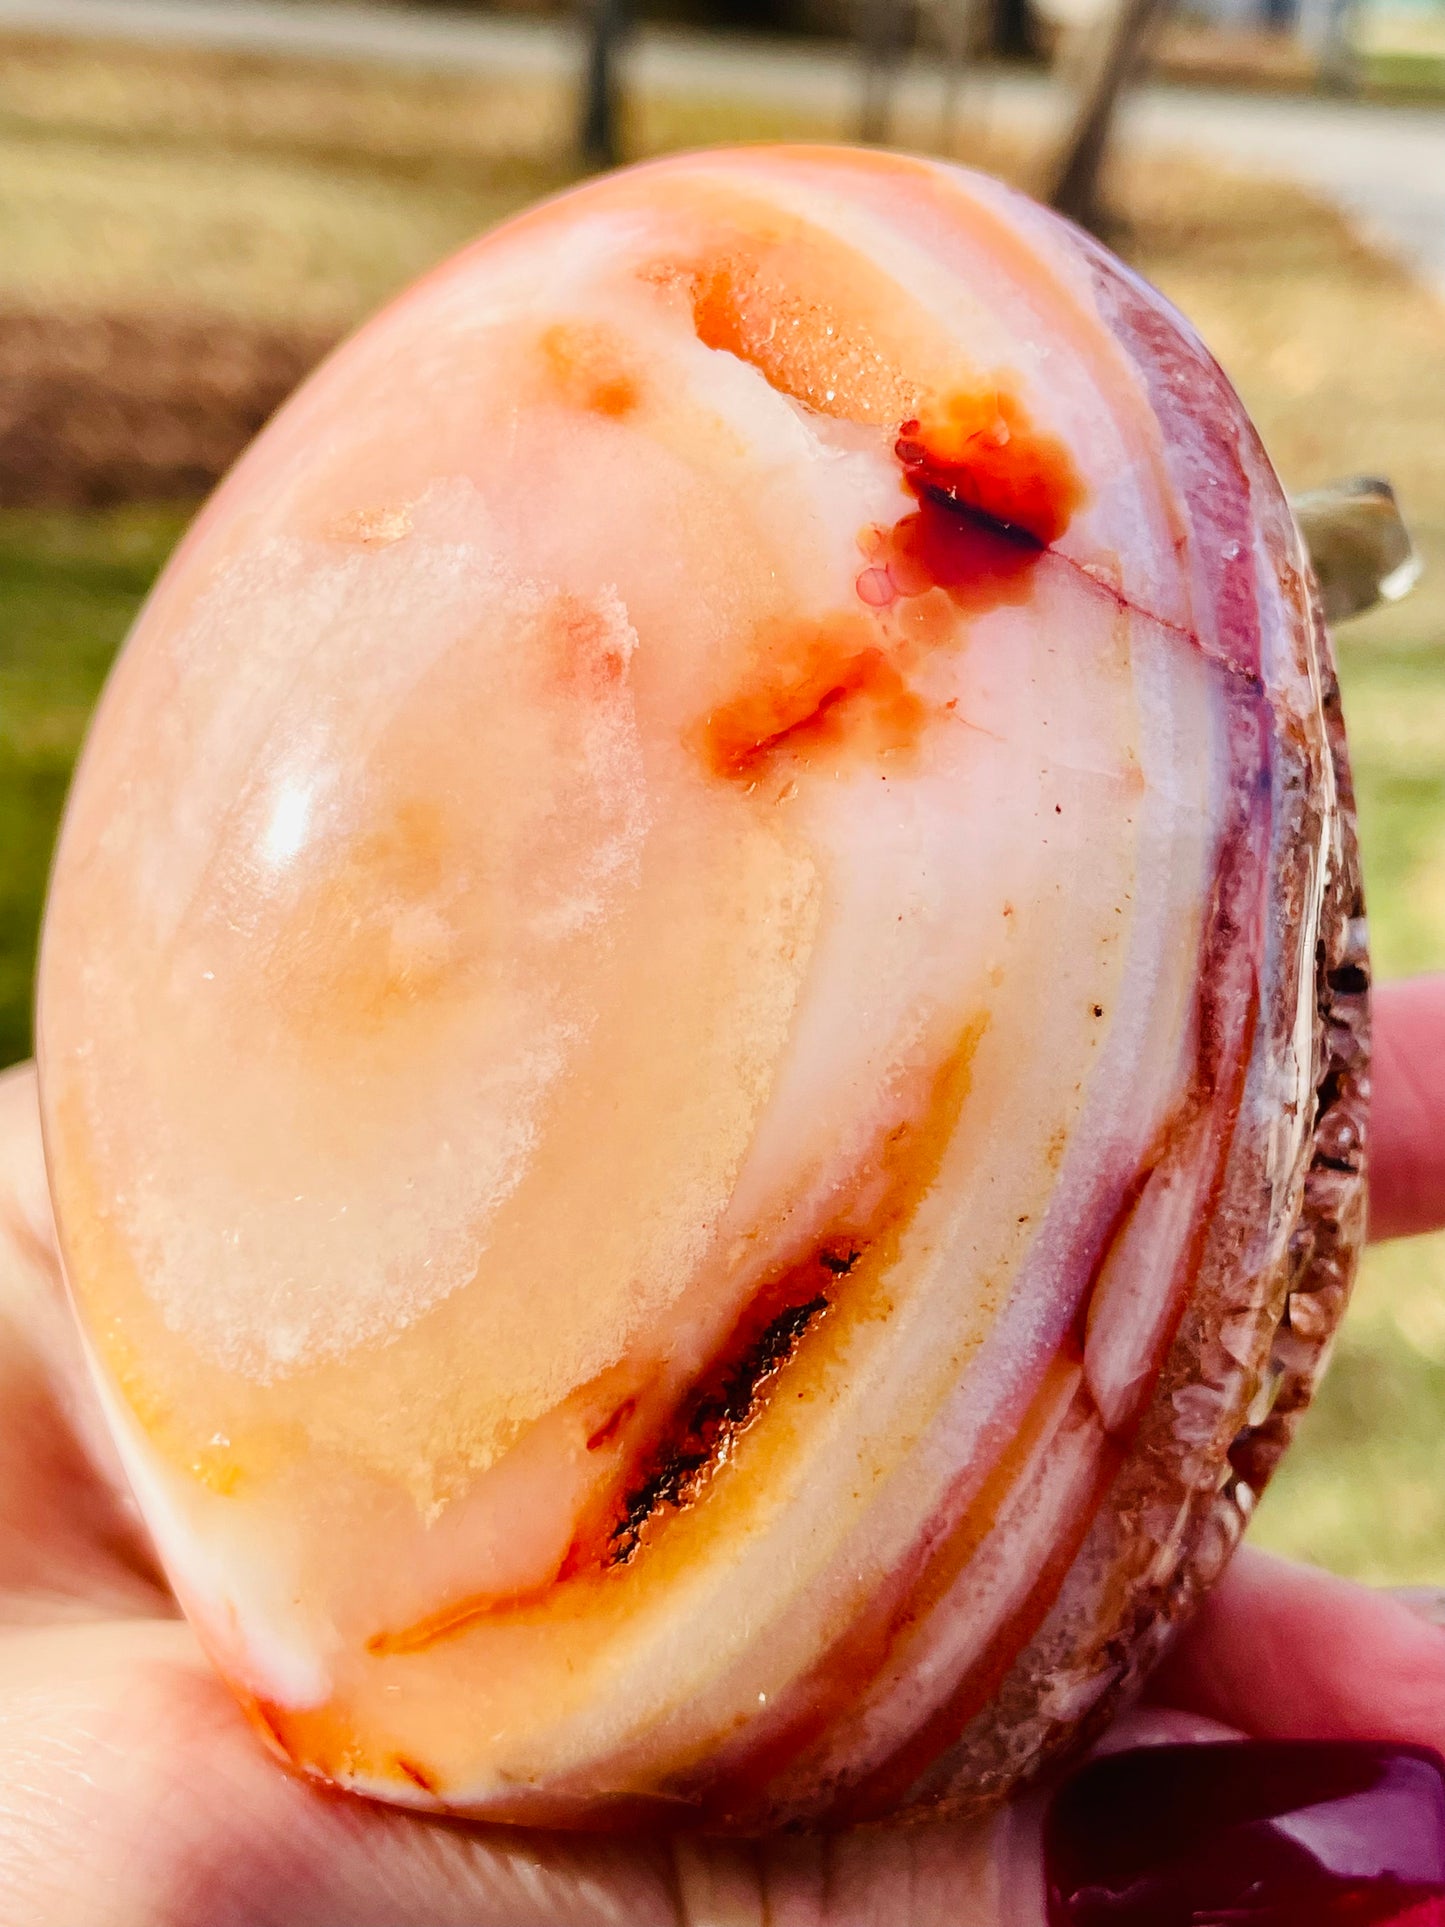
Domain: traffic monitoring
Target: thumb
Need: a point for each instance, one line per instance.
(132, 1794)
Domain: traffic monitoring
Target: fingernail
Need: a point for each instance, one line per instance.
(1253, 1833)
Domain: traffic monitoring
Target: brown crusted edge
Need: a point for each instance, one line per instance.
(1319, 1264)
(1052, 1719)
(1274, 1277)
(1326, 1242)
(1254, 1340)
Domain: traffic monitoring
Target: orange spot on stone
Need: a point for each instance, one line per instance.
(927, 622)
(611, 1426)
(589, 369)
(820, 686)
(367, 942)
(407, 854)
(839, 348)
(217, 1471)
(418, 1775)
(992, 492)
(585, 649)
(978, 449)
(372, 528)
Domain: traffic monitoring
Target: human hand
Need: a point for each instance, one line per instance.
(132, 1793)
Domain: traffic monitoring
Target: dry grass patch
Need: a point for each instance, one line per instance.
(1338, 353)
(425, 123)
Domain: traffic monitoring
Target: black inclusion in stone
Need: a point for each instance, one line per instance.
(1269, 1833)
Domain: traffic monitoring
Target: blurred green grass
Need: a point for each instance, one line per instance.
(287, 195)
(69, 588)
(1363, 1490)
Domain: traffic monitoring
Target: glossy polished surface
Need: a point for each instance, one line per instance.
(1256, 1834)
(678, 1018)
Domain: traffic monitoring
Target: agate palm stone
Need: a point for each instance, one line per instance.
(703, 1010)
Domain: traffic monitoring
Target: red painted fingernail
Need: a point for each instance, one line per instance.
(1266, 1833)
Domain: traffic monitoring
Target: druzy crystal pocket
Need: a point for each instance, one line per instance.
(703, 1009)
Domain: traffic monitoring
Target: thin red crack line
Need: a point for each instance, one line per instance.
(1252, 680)
(1176, 629)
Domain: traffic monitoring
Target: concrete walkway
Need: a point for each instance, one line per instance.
(1385, 166)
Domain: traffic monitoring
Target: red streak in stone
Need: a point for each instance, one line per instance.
(819, 684)
(673, 1468)
(699, 1436)
(450, 1620)
(417, 1775)
(993, 493)
(610, 1427)
(669, 1467)
(978, 564)
(979, 451)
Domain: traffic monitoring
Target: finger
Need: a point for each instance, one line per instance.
(1288, 1652)
(135, 1796)
(132, 1794)
(70, 1541)
(1407, 1103)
